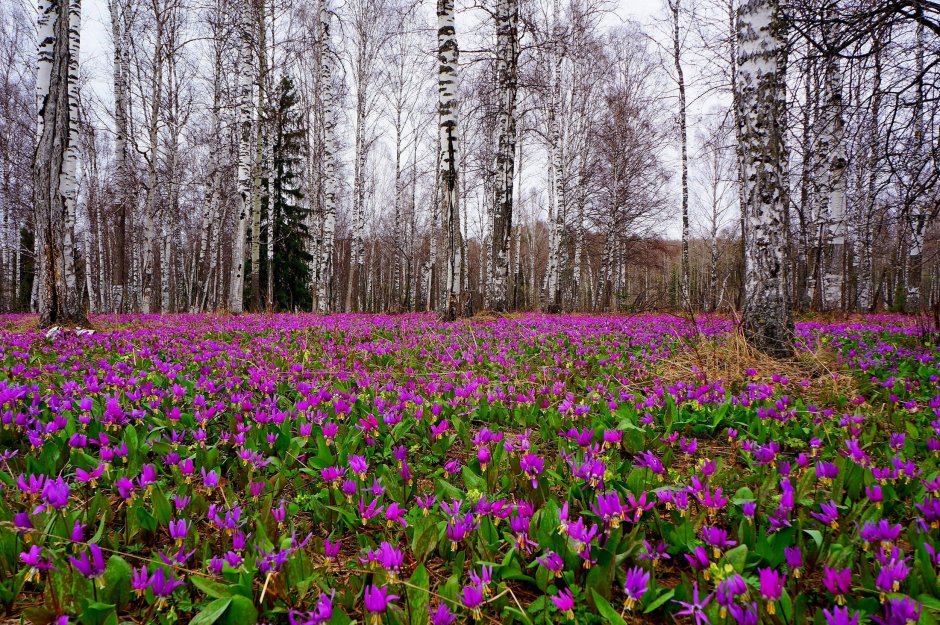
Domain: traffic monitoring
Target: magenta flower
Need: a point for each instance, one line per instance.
(695, 609)
(163, 586)
(321, 614)
(36, 563)
(89, 567)
(532, 465)
(442, 615)
(838, 582)
(553, 562)
(471, 596)
(55, 495)
(564, 601)
(841, 616)
(901, 611)
(636, 586)
(828, 514)
(771, 587)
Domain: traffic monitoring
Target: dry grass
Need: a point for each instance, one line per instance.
(730, 358)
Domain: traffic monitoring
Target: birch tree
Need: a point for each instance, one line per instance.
(675, 9)
(447, 55)
(327, 58)
(507, 59)
(246, 74)
(58, 30)
(761, 97)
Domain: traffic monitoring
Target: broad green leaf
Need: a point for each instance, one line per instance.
(606, 610)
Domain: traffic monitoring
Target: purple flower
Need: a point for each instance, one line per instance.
(841, 616)
(902, 611)
(163, 586)
(553, 562)
(377, 600)
(794, 557)
(695, 609)
(892, 575)
(178, 530)
(458, 528)
(532, 465)
(698, 559)
(730, 588)
(442, 615)
(564, 601)
(717, 539)
(746, 614)
(36, 563)
(140, 581)
(89, 567)
(331, 549)
(636, 586)
(472, 597)
(322, 613)
(771, 586)
(838, 582)
(55, 495)
(828, 514)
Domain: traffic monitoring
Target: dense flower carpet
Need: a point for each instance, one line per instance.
(534, 469)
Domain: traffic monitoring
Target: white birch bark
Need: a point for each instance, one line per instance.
(448, 141)
(153, 139)
(864, 241)
(324, 293)
(69, 181)
(917, 218)
(675, 8)
(837, 163)
(558, 172)
(767, 319)
(507, 54)
(54, 166)
(246, 73)
(124, 194)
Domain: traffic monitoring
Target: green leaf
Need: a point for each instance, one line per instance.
(425, 539)
(117, 581)
(817, 537)
(419, 596)
(660, 600)
(210, 587)
(161, 507)
(241, 611)
(97, 613)
(737, 557)
(606, 610)
(211, 613)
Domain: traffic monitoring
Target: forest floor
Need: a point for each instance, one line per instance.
(508, 468)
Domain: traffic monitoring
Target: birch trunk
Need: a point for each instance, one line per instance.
(558, 172)
(123, 192)
(324, 290)
(871, 195)
(917, 217)
(357, 251)
(257, 171)
(833, 276)
(153, 138)
(674, 7)
(236, 295)
(448, 142)
(767, 320)
(58, 24)
(507, 55)
(69, 181)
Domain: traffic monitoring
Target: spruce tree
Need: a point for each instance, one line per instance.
(287, 210)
